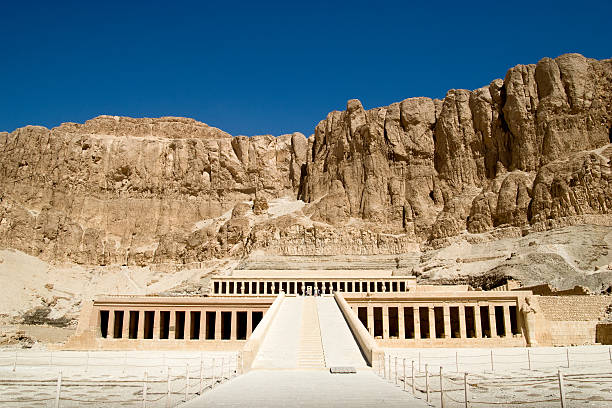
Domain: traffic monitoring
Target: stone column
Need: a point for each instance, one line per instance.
(507, 321)
(249, 328)
(203, 324)
(125, 329)
(371, 320)
(462, 326)
(172, 328)
(477, 322)
(234, 323)
(217, 325)
(273, 288)
(140, 329)
(385, 321)
(492, 321)
(400, 322)
(187, 328)
(417, 322)
(447, 324)
(242, 287)
(432, 323)
(110, 333)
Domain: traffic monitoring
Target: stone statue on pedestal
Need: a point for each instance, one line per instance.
(529, 311)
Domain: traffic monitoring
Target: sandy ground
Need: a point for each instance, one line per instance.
(518, 376)
(109, 379)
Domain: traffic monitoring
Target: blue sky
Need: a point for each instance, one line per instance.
(269, 67)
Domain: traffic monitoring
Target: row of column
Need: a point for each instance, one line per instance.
(482, 324)
(230, 287)
(188, 324)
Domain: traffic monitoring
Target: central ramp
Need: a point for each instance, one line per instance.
(309, 333)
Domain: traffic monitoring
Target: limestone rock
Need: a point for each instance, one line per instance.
(531, 151)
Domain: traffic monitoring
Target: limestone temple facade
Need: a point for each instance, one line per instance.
(382, 310)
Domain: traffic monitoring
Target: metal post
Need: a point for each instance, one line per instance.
(384, 360)
(567, 355)
(529, 359)
(404, 372)
(441, 389)
(492, 369)
(427, 382)
(201, 375)
(465, 390)
(58, 390)
(413, 388)
(561, 390)
(168, 389)
(456, 361)
(186, 381)
(144, 391)
(395, 370)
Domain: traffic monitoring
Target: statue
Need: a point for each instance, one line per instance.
(529, 312)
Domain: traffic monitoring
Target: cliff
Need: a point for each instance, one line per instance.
(529, 152)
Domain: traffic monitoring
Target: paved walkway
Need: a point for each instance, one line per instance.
(288, 388)
(310, 352)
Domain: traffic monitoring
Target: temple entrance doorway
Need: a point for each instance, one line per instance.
(309, 288)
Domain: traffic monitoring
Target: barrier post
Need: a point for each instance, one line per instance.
(529, 359)
(58, 390)
(404, 372)
(441, 389)
(201, 375)
(168, 388)
(222, 369)
(567, 355)
(15, 362)
(384, 367)
(465, 390)
(561, 389)
(389, 366)
(144, 391)
(456, 361)
(213, 374)
(395, 364)
(413, 390)
(492, 368)
(186, 381)
(427, 381)
(610, 353)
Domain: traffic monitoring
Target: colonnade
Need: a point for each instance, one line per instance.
(177, 323)
(300, 287)
(439, 321)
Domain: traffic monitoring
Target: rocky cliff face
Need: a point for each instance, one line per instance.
(526, 151)
(510, 153)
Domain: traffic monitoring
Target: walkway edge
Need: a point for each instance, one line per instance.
(366, 342)
(251, 348)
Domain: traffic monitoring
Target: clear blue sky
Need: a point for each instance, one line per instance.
(269, 67)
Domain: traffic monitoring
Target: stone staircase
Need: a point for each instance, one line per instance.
(310, 352)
